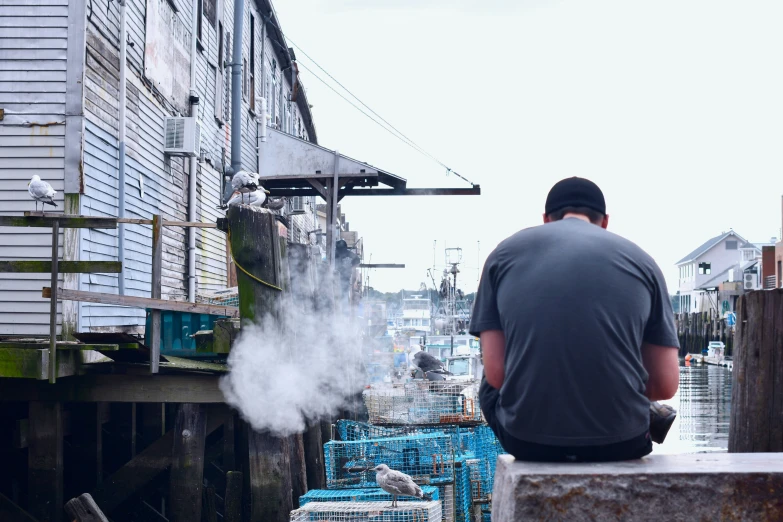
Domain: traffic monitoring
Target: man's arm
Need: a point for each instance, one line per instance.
(493, 348)
(663, 366)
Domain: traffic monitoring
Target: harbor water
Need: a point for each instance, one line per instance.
(703, 404)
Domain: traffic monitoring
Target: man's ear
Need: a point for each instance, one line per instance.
(546, 219)
(605, 221)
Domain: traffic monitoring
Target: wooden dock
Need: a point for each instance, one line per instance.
(108, 424)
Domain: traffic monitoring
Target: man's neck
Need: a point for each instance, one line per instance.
(577, 216)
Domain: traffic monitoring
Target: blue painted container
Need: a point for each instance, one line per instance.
(176, 329)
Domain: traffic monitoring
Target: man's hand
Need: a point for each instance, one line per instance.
(493, 348)
(663, 366)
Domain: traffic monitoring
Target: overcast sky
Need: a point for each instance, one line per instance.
(675, 109)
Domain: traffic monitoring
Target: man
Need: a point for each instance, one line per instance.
(577, 336)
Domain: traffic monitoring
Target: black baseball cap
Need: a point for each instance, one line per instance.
(575, 192)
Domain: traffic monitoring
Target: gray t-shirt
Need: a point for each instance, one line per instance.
(575, 303)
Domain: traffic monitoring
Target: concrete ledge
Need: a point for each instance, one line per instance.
(717, 486)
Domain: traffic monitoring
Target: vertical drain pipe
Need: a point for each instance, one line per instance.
(236, 88)
(193, 170)
(121, 123)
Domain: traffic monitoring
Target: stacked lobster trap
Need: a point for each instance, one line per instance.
(422, 402)
(432, 431)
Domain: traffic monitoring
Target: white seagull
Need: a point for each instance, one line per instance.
(41, 191)
(253, 199)
(245, 182)
(397, 484)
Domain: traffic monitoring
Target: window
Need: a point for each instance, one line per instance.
(705, 268)
(245, 79)
(252, 71)
(200, 22)
(219, 76)
(731, 245)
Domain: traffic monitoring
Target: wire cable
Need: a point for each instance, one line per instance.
(391, 129)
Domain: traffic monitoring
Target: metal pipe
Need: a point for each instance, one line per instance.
(236, 88)
(193, 170)
(121, 123)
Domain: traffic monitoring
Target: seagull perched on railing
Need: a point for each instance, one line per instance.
(41, 191)
(397, 484)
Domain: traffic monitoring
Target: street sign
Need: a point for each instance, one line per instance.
(731, 319)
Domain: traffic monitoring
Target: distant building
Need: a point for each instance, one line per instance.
(718, 271)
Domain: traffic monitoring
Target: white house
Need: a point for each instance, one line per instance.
(705, 272)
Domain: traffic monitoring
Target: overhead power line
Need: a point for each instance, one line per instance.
(388, 127)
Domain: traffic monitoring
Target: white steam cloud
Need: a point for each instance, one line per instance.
(282, 377)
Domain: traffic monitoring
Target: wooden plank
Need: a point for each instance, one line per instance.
(194, 388)
(314, 457)
(233, 499)
(209, 513)
(380, 265)
(157, 268)
(10, 512)
(138, 472)
(45, 461)
(30, 219)
(84, 509)
(298, 471)
(187, 466)
(195, 224)
(61, 345)
(143, 302)
(53, 304)
(269, 469)
(34, 364)
(64, 267)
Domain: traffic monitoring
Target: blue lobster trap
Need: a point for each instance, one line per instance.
(360, 495)
(463, 438)
(426, 457)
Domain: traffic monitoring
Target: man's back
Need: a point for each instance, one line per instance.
(575, 303)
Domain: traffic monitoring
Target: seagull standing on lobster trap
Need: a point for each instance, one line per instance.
(398, 484)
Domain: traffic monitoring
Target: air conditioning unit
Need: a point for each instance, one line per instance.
(181, 136)
(749, 284)
(297, 205)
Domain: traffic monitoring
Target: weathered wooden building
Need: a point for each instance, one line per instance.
(60, 94)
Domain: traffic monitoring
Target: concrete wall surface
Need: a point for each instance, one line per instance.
(737, 486)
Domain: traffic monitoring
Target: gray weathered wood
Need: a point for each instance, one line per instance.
(61, 345)
(165, 388)
(53, 305)
(10, 512)
(63, 267)
(157, 270)
(195, 224)
(142, 302)
(269, 484)
(756, 396)
(187, 468)
(45, 461)
(84, 509)
(64, 221)
(298, 471)
(209, 511)
(137, 473)
(314, 457)
(233, 498)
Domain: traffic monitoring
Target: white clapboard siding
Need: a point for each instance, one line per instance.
(33, 42)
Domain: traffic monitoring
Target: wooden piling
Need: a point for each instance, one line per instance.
(756, 397)
(45, 461)
(314, 457)
(298, 471)
(84, 509)
(187, 463)
(256, 249)
(232, 511)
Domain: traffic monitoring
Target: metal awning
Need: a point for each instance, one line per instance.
(289, 166)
